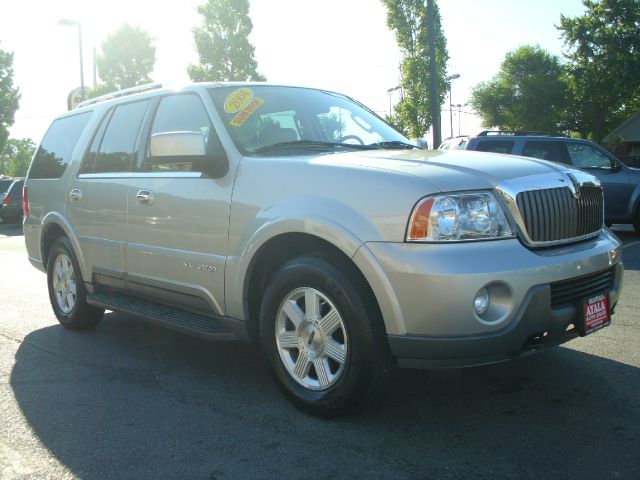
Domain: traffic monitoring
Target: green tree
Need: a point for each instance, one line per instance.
(9, 96)
(223, 45)
(16, 155)
(408, 19)
(99, 90)
(529, 93)
(127, 59)
(604, 64)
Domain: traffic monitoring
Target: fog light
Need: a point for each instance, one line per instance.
(481, 302)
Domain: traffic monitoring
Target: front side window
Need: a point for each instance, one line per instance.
(182, 136)
(584, 155)
(58, 144)
(268, 120)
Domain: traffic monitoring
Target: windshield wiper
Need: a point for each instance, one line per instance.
(308, 145)
(393, 144)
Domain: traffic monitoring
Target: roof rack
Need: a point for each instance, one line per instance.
(121, 93)
(487, 133)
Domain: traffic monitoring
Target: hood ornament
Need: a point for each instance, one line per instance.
(575, 185)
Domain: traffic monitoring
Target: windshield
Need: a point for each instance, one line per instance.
(265, 120)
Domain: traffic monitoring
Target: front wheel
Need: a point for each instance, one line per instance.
(67, 292)
(323, 337)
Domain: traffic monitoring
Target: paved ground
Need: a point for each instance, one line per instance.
(129, 400)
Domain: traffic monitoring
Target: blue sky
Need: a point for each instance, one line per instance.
(342, 45)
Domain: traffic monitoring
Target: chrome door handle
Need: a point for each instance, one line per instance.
(144, 197)
(75, 195)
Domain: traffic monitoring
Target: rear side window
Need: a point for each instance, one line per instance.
(495, 146)
(117, 148)
(16, 189)
(552, 151)
(56, 148)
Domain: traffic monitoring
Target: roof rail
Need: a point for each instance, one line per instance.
(121, 93)
(487, 133)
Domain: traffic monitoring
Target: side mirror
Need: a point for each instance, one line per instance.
(189, 149)
(177, 144)
(615, 165)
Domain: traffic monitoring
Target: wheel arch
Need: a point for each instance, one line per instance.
(276, 251)
(55, 226)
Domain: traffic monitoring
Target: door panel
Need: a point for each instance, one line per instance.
(179, 240)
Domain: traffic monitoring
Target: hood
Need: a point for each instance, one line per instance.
(448, 170)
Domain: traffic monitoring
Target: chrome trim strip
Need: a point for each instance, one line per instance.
(141, 175)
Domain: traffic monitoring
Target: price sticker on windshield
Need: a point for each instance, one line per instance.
(246, 112)
(238, 99)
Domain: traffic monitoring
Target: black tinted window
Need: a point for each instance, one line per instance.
(56, 148)
(495, 146)
(4, 185)
(117, 148)
(89, 161)
(545, 150)
(16, 188)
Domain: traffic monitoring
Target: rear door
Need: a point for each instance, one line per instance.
(97, 197)
(178, 216)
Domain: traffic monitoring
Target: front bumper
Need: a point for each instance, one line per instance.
(427, 299)
(536, 326)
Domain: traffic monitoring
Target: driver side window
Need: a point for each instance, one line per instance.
(181, 116)
(585, 156)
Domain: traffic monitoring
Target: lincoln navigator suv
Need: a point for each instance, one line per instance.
(297, 219)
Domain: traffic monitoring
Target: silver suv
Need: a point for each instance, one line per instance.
(298, 219)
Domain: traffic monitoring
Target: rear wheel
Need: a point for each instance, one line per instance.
(323, 337)
(67, 292)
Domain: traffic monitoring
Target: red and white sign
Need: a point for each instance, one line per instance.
(596, 313)
(75, 98)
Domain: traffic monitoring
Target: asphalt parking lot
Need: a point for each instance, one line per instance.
(129, 400)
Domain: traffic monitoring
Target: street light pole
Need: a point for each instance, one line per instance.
(459, 107)
(390, 91)
(73, 23)
(450, 78)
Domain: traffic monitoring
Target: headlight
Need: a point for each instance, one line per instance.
(458, 217)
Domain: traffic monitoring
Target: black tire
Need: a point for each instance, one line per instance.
(636, 221)
(360, 334)
(71, 310)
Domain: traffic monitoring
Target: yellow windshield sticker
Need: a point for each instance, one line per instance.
(245, 113)
(238, 99)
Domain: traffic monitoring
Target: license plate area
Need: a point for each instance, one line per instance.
(596, 313)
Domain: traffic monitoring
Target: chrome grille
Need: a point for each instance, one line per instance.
(554, 214)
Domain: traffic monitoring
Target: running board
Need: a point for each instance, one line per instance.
(212, 328)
